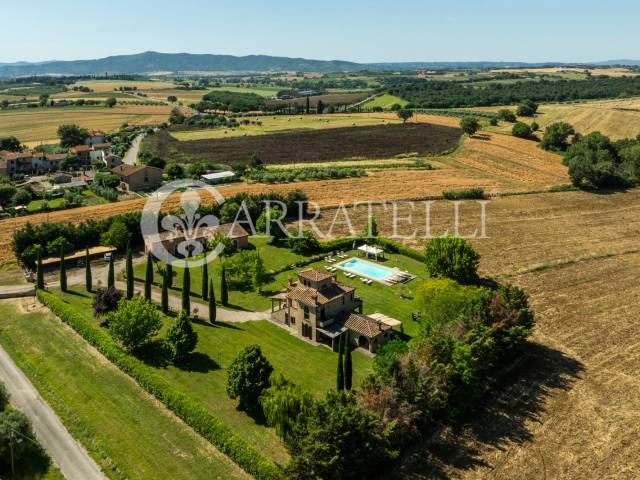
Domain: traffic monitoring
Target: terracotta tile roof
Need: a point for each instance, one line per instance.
(102, 145)
(15, 155)
(80, 148)
(96, 133)
(364, 325)
(313, 297)
(55, 156)
(314, 275)
(128, 170)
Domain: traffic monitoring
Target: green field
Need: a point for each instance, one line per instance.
(53, 204)
(377, 297)
(280, 123)
(204, 376)
(263, 91)
(124, 429)
(385, 101)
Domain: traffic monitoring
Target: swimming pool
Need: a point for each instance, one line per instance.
(367, 269)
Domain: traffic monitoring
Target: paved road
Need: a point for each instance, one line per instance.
(131, 156)
(68, 455)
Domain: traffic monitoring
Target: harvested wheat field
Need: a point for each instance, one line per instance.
(574, 411)
(39, 125)
(496, 163)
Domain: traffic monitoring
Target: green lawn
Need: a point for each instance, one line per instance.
(122, 427)
(377, 297)
(385, 101)
(53, 204)
(204, 377)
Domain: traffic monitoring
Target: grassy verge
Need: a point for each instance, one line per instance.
(204, 375)
(121, 426)
(184, 406)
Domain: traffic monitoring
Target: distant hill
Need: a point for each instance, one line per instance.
(151, 62)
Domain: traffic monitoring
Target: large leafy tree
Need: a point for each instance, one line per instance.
(117, 235)
(71, 135)
(593, 161)
(181, 338)
(16, 438)
(469, 125)
(134, 323)
(247, 377)
(282, 404)
(336, 439)
(452, 257)
(556, 136)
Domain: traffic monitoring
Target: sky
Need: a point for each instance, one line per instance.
(402, 30)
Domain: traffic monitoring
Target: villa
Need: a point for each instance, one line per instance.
(321, 309)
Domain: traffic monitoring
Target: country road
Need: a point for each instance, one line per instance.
(131, 156)
(66, 453)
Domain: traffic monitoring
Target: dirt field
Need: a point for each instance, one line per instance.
(611, 72)
(39, 125)
(311, 146)
(574, 412)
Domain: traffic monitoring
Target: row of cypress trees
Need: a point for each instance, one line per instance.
(208, 293)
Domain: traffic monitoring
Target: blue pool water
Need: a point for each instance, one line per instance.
(366, 269)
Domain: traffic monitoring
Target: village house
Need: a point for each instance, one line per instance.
(321, 309)
(136, 178)
(111, 160)
(83, 152)
(95, 137)
(99, 150)
(171, 240)
(29, 163)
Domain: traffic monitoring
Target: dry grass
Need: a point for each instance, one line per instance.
(573, 412)
(497, 163)
(39, 125)
(618, 118)
(110, 85)
(611, 72)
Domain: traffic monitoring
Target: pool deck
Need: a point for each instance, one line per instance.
(393, 272)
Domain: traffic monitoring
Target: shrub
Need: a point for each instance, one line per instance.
(283, 403)
(190, 411)
(181, 338)
(247, 377)
(452, 257)
(466, 194)
(134, 323)
(522, 130)
(304, 244)
(506, 115)
(106, 300)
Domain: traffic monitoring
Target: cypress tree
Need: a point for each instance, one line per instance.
(224, 294)
(340, 372)
(129, 274)
(88, 281)
(205, 282)
(111, 278)
(148, 278)
(165, 291)
(186, 290)
(39, 273)
(348, 367)
(170, 273)
(212, 303)
(63, 272)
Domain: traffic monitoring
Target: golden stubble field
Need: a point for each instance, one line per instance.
(574, 411)
(618, 118)
(497, 163)
(39, 125)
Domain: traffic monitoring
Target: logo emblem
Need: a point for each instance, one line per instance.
(182, 233)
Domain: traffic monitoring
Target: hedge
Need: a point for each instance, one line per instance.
(189, 410)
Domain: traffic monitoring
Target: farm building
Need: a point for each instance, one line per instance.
(16, 163)
(218, 177)
(171, 241)
(136, 178)
(83, 152)
(95, 137)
